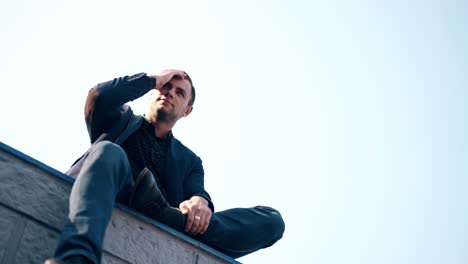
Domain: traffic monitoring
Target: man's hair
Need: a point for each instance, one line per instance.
(192, 98)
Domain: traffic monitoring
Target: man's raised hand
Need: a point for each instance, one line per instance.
(165, 76)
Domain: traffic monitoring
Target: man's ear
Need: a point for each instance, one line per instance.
(188, 110)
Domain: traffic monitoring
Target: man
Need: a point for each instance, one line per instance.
(136, 160)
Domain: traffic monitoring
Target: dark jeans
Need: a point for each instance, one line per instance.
(105, 178)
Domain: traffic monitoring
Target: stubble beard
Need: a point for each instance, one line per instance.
(165, 116)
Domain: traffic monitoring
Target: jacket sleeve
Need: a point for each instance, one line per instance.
(104, 104)
(194, 183)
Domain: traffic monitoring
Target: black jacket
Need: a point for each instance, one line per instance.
(108, 118)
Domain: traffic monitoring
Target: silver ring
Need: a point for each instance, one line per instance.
(197, 217)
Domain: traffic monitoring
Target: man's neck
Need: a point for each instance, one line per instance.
(161, 128)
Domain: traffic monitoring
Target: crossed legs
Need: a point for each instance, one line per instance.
(106, 178)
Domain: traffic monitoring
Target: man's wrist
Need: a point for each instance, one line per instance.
(153, 81)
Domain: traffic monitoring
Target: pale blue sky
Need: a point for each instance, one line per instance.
(350, 117)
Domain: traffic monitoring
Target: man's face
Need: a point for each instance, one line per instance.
(170, 103)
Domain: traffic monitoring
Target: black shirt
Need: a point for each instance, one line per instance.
(144, 149)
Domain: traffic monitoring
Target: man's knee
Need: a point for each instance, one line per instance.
(107, 158)
(109, 151)
(273, 221)
(107, 161)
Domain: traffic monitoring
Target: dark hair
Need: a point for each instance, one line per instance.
(192, 98)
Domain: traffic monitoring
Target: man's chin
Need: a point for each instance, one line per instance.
(163, 115)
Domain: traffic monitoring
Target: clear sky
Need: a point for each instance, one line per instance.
(350, 117)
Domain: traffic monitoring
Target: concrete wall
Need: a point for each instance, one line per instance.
(34, 204)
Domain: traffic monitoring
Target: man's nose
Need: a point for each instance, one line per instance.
(169, 92)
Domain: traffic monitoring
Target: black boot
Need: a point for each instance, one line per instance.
(146, 197)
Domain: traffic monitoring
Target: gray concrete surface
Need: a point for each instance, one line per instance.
(34, 204)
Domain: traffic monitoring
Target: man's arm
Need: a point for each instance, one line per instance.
(198, 206)
(104, 104)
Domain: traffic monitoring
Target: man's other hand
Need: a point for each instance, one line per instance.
(165, 76)
(198, 215)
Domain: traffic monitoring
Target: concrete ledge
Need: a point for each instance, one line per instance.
(33, 207)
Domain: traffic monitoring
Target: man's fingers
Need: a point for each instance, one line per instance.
(203, 223)
(198, 217)
(183, 208)
(195, 224)
(206, 224)
(200, 221)
(166, 75)
(180, 74)
(190, 220)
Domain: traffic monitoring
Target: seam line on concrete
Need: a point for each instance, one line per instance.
(22, 214)
(104, 252)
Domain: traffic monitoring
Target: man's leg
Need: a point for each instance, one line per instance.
(240, 231)
(104, 177)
